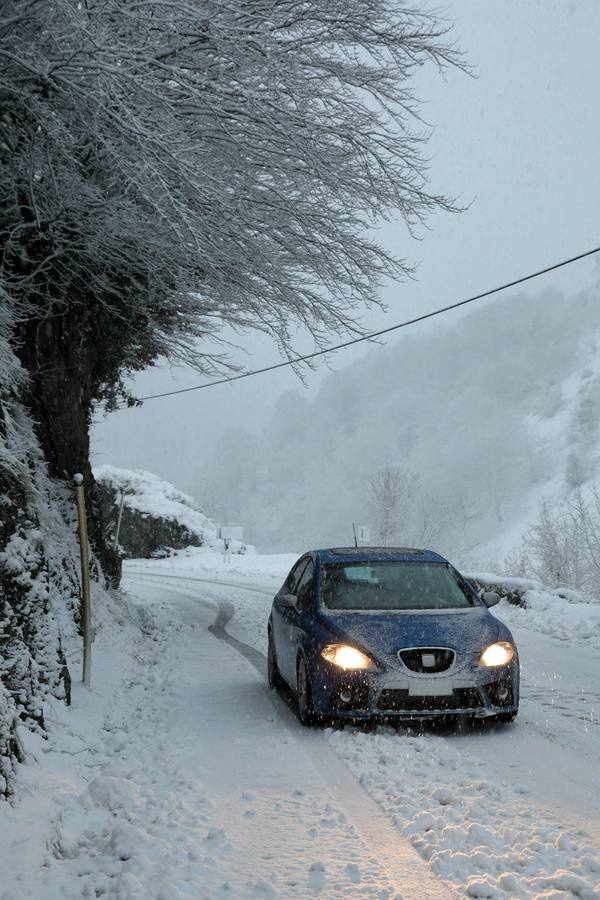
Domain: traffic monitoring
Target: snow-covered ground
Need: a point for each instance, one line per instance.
(178, 775)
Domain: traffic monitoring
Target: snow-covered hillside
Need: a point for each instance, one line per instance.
(486, 416)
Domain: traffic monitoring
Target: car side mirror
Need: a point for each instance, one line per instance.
(490, 598)
(289, 601)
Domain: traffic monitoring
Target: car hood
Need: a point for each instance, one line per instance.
(383, 634)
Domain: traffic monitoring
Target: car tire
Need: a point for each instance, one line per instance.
(274, 678)
(306, 712)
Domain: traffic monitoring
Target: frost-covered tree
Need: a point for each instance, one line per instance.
(391, 492)
(563, 546)
(167, 168)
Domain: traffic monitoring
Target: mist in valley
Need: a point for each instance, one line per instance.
(451, 437)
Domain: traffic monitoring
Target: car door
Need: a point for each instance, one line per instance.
(299, 623)
(282, 618)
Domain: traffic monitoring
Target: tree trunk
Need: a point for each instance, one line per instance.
(61, 362)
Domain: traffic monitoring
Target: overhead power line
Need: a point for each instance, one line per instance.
(375, 334)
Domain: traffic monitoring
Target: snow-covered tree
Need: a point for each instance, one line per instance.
(391, 491)
(563, 546)
(168, 168)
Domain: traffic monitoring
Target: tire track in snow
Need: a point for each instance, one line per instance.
(225, 613)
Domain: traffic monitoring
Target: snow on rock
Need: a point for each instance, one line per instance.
(149, 494)
(509, 588)
(156, 515)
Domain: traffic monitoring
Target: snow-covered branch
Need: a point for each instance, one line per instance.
(180, 165)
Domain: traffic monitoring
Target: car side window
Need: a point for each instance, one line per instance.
(293, 579)
(305, 589)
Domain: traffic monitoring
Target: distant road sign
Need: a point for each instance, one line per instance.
(363, 534)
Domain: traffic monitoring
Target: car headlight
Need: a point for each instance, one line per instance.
(346, 657)
(498, 654)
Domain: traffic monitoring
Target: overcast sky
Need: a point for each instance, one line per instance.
(518, 145)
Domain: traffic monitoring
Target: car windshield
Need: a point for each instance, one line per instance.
(392, 585)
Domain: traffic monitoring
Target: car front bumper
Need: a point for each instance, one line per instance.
(478, 693)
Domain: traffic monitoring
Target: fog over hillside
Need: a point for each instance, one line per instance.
(475, 422)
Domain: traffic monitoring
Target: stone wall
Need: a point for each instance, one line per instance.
(143, 536)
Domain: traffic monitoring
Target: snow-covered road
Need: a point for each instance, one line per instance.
(179, 776)
(289, 818)
(496, 812)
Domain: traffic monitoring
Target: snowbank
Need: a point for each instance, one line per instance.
(561, 613)
(556, 614)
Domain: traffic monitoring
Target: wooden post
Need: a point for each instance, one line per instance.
(122, 501)
(85, 578)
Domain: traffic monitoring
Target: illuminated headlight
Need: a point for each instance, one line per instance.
(346, 657)
(499, 654)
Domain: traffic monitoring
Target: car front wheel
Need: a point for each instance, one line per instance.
(306, 712)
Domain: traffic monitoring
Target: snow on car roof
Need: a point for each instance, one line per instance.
(354, 554)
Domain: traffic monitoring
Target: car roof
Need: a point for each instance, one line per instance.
(377, 554)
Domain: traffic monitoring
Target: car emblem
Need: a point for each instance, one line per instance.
(428, 660)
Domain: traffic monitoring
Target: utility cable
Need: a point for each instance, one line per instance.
(375, 334)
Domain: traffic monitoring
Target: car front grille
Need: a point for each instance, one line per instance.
(396, 699)
(427, 659)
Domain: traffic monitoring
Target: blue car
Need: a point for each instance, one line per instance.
(389, 633)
